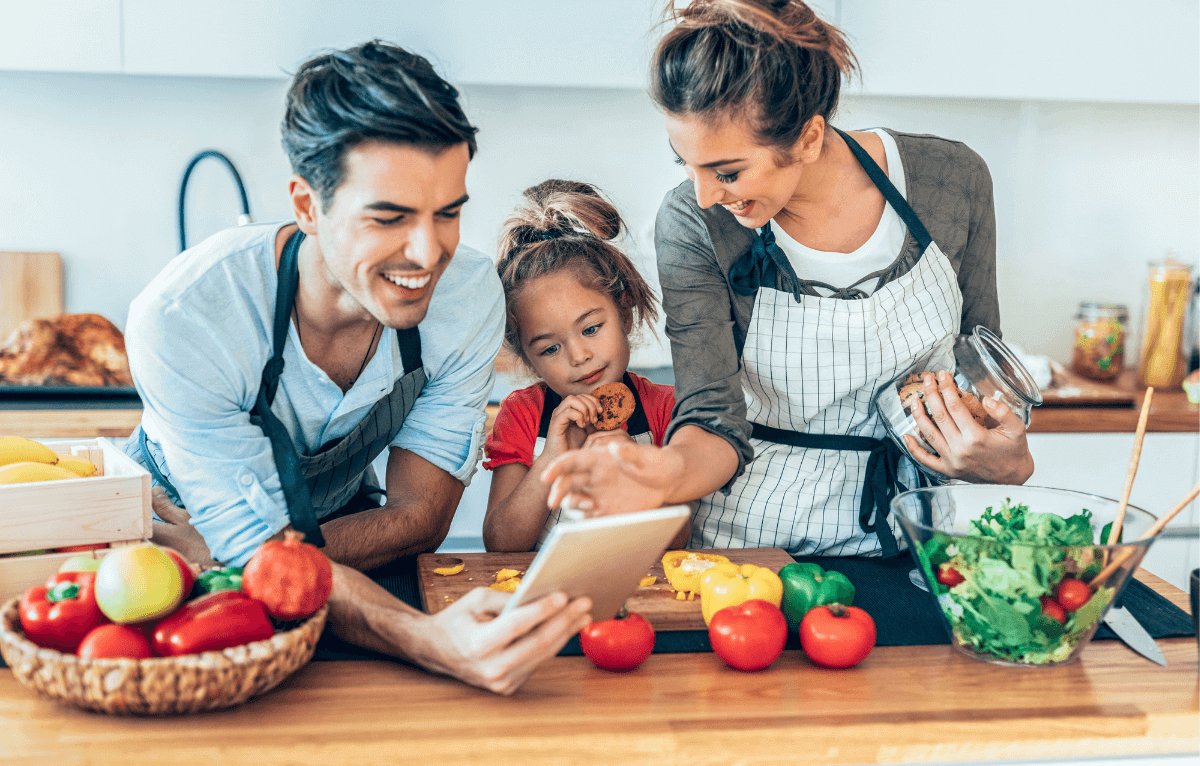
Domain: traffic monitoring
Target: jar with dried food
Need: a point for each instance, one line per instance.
(1099, 350)
(1163, 363)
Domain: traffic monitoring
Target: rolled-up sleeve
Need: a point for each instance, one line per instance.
(700, 327)
(977, 272)
(195, 397)
(446, 425)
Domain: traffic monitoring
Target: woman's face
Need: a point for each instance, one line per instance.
(730, 168)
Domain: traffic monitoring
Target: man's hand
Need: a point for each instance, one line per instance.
(176, 531)
(965, 449)
(469, 641)
(465, 640)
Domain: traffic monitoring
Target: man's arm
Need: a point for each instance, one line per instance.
(415, 519)
(465, 640)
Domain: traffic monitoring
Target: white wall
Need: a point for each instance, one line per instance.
(90, 166)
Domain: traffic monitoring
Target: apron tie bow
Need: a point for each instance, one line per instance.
(761, 265)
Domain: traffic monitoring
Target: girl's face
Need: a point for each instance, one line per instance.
(730, 168)
(571, 335)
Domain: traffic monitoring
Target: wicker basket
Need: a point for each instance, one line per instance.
(162, 685)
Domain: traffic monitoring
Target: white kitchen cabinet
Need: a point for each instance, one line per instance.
(61, 36)
(1067, 50)
(570, 43)
(1098, 463)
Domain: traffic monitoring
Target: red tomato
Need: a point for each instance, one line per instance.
(949, 576)
(185, 569)
(837, 636)
(619, 644)
(1072, 594)
(114, 641)
(1054, 610)
(748, 636)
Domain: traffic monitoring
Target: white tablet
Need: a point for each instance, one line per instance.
(602, 558)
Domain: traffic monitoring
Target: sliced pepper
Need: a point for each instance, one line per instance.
(807, 585)
(60, 613)
(684, 568)
(219, 579)
(728, 584)
(216, 621)
(450, 570)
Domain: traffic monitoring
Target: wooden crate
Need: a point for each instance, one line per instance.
(18, 572)
(110, 508)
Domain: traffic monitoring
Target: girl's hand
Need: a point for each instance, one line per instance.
(570, 423)
(965, 449)
(616, 477)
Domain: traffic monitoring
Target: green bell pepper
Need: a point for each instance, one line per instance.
(808, 585)
(218, 579)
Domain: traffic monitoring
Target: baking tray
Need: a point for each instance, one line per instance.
(8, 390)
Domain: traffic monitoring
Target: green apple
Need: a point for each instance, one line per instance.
(80, 564)
(138, 583)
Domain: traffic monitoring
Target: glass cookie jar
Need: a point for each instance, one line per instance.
(1099, 349)
(983, 367)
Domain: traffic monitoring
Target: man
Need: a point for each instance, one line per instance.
(275, 362)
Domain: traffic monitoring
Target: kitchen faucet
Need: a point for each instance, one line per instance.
(242, 219)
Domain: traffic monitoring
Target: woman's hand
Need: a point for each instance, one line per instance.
(965, 449)
(571, 422)
(615, 477)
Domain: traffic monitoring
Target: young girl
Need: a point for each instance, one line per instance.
(573, 299)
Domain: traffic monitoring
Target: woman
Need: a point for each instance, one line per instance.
(802, 267)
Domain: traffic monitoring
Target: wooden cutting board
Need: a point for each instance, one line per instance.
(655, 602)
(1069, 389)
(31, 287)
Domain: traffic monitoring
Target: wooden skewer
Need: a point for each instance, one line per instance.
(1157, 527)
(1140, 436)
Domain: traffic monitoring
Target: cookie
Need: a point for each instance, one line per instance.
(912, 392)
(616, 405)
(974, 406)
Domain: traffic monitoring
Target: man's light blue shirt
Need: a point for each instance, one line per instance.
(199, 335)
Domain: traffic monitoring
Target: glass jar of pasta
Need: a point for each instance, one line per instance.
(1162, 362)
(1099, 350)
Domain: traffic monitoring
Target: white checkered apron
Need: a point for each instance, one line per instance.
(811, 366)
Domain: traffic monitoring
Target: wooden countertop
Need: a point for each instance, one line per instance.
(902, 705)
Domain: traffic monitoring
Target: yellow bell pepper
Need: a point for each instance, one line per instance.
(684, 568)
(728, 584)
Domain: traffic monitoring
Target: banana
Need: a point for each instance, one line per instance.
(79, 466)
(17, 449)
(21, 473)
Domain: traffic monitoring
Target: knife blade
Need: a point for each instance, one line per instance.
(1130, 631)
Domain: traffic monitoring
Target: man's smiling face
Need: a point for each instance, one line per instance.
(392, 227)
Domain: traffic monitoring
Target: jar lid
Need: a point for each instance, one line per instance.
(1090, 309)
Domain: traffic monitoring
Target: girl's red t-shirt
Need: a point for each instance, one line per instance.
(515, 431)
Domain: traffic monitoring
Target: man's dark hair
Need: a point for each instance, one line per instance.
(376, 91)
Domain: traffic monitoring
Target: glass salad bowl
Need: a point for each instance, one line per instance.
(984, 368)
(1014, 568)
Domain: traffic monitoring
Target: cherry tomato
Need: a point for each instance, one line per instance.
(1054, 610)
(185, 569)
(837, 636)
(1072, 593)
(748, 636)
(619, 644)
(949, 576)
(114, 641)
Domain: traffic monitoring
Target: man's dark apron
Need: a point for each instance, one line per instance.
(332, 482)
